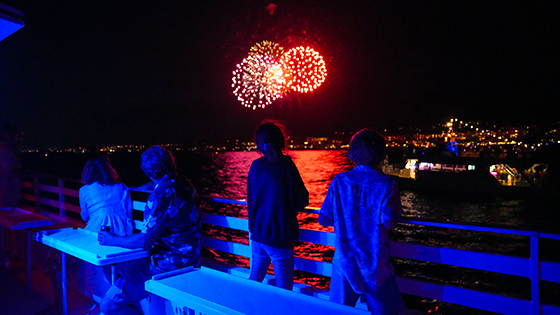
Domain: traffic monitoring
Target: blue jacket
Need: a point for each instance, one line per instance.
(275, 195)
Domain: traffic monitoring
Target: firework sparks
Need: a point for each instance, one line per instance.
(258, 80)
(267, 48)
(307, 67)
(268, 73)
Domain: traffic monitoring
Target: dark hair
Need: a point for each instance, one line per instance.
(99, 170)
(270, 139)
(157, 161)
(367, 147)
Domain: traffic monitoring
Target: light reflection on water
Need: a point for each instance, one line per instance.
(318, 168)
(225, 175)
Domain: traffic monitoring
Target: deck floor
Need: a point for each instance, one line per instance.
(14, 299)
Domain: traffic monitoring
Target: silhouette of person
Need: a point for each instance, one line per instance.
(362, 205)
(10, 166)
(172, 231)
(104, 201)
(275, 195)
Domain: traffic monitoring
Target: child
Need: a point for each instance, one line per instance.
(275, 195)
(362, 205)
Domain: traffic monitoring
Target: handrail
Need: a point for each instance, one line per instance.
(532, 267)
(478, 228)
(315, 210)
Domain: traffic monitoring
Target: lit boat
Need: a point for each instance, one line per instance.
(468, 175)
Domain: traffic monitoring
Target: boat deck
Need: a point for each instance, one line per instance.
(14, 299)
(534, 265)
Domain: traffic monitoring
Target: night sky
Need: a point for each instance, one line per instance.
(145, 72)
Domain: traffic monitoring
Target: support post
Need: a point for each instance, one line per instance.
(64, 288)
(62, 213)
(2, 254)
(37, 193)
(29, 264)
(535, 266)
(113, 270)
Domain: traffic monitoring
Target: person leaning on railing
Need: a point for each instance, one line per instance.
(362, 205)
(275, 195)
(104, 202)
(172, 231)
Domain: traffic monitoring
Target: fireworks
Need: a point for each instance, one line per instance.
(268, 73)
(258, 81)
(267, 48)
(307, 68)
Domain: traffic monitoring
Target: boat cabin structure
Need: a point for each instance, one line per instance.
(11, 20)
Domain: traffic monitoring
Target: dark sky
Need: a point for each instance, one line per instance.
(145, 72)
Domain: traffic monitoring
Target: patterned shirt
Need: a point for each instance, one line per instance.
(172, 221)
(359, 202)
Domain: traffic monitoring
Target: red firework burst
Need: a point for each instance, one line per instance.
(307, 68)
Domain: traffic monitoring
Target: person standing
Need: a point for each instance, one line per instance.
(362, 205)
(275, 195)
(172, 232)
(10, 166)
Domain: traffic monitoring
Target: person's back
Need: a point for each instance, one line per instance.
(107, 205)
(277, 200)
(362, 205)
(172, 214)
(171, 233)
(10, 166)
(366, 198)
(104, 201)
(275, 195)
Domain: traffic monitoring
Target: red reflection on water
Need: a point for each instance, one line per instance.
(317, 169)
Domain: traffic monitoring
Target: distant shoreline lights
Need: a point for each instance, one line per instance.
(269, 73)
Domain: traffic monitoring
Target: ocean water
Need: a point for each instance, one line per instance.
(224, 174)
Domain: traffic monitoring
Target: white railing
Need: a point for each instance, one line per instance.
(532, 268)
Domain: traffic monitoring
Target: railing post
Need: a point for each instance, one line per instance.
(62, 213)
(536, 308)
(37, 193)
